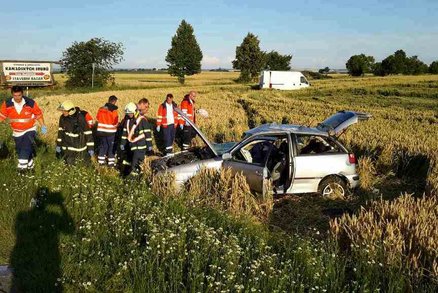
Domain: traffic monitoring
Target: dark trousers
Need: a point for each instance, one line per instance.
(169, 138)
(106, 150)
(25, 147)
(188, 134)
(137, 160)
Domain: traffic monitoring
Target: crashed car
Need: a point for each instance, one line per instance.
(293, 158)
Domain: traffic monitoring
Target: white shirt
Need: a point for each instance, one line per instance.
(19, 106)
(169, 114)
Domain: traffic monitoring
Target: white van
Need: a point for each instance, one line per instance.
(283, 80)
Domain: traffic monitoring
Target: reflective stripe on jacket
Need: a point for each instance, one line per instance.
(162, 115)
(140, 134)
(188, 108)
(107, 120)
(23, 121)
(74, 134)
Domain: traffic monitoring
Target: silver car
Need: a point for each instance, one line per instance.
(293, 158)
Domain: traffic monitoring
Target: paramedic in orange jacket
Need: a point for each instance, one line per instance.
(107, 121)
(22, 113)
(188, 108)
(167, 121)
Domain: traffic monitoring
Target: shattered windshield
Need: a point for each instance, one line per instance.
(222, 148)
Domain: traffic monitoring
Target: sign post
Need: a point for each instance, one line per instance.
(92, 75)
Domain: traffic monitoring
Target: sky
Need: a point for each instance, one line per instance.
(316, 33)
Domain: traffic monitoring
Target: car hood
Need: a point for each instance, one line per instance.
(198, 131)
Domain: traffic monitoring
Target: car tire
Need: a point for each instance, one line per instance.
(333, 187)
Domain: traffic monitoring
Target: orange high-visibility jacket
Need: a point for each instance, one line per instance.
(89, 119)
(188, 108)
(107, 119)
(162, 115)
(23, 121)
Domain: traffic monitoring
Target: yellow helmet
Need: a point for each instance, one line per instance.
(130, 108)
(66, 106)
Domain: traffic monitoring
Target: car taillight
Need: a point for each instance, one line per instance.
(352, 159)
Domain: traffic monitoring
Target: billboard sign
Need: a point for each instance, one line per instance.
(27, 73)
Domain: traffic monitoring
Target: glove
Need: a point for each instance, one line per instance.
(122, 147)
(158, 128)
(43, 129)
(181, 126)
(58, 149)
(150, 149)
(91, 153)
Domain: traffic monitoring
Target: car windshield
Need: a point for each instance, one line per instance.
(222, 148)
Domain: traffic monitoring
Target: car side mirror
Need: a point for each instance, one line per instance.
(226, 156)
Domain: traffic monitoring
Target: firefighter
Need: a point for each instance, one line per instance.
(22, 114)
(140, 137)
(131, 114)
(167, 121)
(107, 120)
(188, 108)
(75, 137)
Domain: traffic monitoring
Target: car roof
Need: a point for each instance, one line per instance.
(289, 128)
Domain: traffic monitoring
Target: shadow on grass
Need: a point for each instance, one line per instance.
(36, 259)
(308, 213)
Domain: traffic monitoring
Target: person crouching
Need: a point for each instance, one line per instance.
(75, 137)
(167, 120)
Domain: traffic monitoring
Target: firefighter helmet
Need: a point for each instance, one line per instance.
(67, 106)
(130, 108)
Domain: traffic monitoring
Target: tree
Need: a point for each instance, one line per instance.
(325, 70)
(415, 66)
(184, 56)
(249, 58)
(276, 61)
(78, 59)
(399, 63)
(358, 65)
(378, 69)
(433, 68)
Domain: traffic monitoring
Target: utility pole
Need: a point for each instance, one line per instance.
(92, 75)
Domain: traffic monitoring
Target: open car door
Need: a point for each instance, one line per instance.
(336, 124)
(250, 160)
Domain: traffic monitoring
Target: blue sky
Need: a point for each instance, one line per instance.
(317, 33)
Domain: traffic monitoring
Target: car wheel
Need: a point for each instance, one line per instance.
(333, 187)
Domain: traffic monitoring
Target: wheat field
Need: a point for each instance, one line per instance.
(120, 235)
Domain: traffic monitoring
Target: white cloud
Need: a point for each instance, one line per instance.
(210, 62)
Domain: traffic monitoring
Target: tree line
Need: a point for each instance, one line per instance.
(93, 59)
(397, 63)
(87, 63)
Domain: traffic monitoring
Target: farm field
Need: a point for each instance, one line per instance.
(107, 234)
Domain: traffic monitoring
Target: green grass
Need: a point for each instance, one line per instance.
(97, 232)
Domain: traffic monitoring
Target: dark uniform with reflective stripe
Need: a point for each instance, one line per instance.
(75, 137)
(125, 155)
(141, 142)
